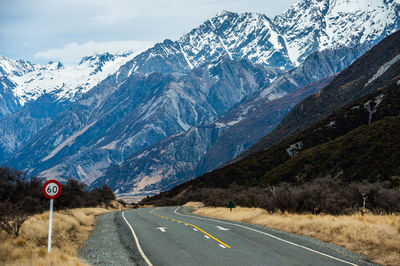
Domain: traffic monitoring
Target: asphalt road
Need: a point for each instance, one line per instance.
(172, 236)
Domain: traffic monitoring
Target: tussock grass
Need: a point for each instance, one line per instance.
(194, 204)
(70, 230)
(377, 236)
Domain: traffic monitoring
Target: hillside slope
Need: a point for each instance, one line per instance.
(378, 67)
(111, 122)
(348, 146)
(181, 157)
(360, 141)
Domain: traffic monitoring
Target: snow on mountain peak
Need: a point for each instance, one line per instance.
(15, 67)
(250, 36)
(284, 42)
(53, 65)
(64, 82)
(312, 25)
(224, 13)
(95, 59)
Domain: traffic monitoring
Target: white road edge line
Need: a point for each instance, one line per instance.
(275, 237)
(137, 242)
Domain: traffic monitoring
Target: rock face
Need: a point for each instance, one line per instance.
(117, 106)
(29, 119)
(201, 148)
(109, 123)
(205, 147)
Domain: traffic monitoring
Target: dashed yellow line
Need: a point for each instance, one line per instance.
(175, 220)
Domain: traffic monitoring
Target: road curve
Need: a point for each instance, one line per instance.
(172, 236)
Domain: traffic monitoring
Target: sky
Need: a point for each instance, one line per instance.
(66, 30)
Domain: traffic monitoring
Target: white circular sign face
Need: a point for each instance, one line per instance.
(51, 189)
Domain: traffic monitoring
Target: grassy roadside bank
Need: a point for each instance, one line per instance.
(70, 230)
(377, 236)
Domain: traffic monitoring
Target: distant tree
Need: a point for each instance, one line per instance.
(21, 196)
(103, 195)
(74, 195)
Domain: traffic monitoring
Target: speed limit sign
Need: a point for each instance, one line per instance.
(52, 189)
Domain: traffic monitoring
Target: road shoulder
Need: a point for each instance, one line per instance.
(110, 243)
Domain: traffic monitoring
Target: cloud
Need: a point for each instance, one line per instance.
(72, 53)
(127, 11)
(29, 26)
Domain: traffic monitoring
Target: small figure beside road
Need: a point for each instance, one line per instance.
(230, 205)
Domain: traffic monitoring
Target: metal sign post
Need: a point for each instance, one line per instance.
(50, 224)
(51, 190)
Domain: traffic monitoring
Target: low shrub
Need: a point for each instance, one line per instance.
(21, 197)
(322, 195)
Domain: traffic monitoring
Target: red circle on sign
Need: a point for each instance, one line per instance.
(52, 194)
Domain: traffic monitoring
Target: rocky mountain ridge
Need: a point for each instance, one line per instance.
(109, 123)
(205, 147)
(31, 95)
(356, 143)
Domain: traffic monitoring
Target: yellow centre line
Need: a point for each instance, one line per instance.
(172, 219)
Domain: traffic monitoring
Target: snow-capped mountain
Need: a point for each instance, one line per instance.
(285, 41)
(32, 95)
(66, 83)
(110, 122)
(15, 67)
(319, 24)
(176, 85)
(8, 69)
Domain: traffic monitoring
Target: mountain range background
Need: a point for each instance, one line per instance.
(329, 166)
(144, 123)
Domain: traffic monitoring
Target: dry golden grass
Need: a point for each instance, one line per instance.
(194, 204)
(146, 206)
(377, 236)
(70, 230)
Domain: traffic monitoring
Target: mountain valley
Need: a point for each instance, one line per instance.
(145, 122)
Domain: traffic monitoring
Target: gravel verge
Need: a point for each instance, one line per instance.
(110, 243)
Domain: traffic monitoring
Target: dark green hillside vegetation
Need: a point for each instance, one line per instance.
(346, 152)
(370, 152)
(21, 196)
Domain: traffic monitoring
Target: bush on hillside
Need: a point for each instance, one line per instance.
(21, 196)
(322, 195)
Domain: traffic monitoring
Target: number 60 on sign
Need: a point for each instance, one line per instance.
(52, 189)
